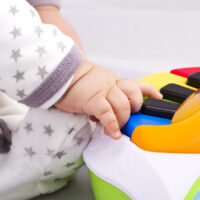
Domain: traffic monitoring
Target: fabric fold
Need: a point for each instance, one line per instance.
(5, 137)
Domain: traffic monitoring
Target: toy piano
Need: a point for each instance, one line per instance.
(158, 157)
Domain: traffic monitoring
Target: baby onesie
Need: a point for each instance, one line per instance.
(40, 146)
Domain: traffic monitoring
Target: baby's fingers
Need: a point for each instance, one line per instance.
(149, 90)
(102, 110)
(133, 92)
(120, 105)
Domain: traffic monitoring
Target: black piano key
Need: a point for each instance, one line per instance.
(159, 108)
(176, 92)
(194, 80)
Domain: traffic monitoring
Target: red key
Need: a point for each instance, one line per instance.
(185, 72)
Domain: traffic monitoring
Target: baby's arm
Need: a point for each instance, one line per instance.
(95, 90)
(100, 93)
(49, 14)
(38, 60)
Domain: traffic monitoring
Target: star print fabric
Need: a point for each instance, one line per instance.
(45, 145)
(46, 150)
(38, 61)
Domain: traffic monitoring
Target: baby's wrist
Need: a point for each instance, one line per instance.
(48, 13)
(46, 8)
(82, 70)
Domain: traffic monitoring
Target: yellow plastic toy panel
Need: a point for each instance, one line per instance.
(183, 134)
(161, 79)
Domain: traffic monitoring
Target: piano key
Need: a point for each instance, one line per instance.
(159, 108)
(185, 72)
(138, 119)
(194, 80)
(159, 80)
(174, 92)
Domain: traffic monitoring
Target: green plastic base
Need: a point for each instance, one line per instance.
(194, 191)
(104, 190)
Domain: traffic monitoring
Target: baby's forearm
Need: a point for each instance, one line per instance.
(50, 14)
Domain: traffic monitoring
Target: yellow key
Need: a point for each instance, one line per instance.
(161, 79)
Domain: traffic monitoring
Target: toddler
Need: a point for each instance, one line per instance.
(41, 142)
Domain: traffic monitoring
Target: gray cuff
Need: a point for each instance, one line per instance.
(35, 3)
(55, 80)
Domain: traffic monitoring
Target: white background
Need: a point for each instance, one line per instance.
(135, 38)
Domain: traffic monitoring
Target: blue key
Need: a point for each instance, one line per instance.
(139, 119)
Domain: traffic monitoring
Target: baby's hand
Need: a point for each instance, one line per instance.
(98, 92)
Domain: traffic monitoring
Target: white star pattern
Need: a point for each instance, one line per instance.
(69, 164)
(19, 76)
(60, 154)
(47, 173)
(20, 93)
(41, 51)
(29, 151)
(61, 46)
(42, 72)
(48, 130)
(16, 54)
(44, 138)
(28, 127)
(16, 32)
(38, 30)
(50, 153)
(13, 10)
(79, 140)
